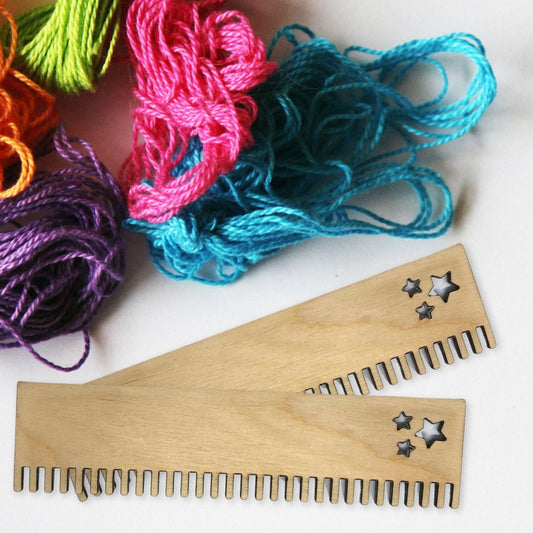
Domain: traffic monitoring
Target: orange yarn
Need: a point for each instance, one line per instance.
(27, 114)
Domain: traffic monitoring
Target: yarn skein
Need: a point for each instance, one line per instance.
(67, 46)
(27, 115)
(61, 254)
(329, 132)
(194, 66)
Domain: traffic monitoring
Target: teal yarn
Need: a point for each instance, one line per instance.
(330, 130)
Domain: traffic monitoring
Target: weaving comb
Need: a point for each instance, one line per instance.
(276, 442)
(411, 315)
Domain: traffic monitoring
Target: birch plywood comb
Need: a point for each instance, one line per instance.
(413, 316)
(311, 445)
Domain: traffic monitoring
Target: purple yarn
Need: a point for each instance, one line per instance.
(61, 253)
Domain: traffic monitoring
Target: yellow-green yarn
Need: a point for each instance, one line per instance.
(67, 46)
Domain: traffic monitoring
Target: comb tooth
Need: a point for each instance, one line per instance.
(389, 372)
(78, 481)
(124, 482)
(365, 491)
(259, 487)
(425, 491)
(446, 351)
(199, 485)
(304, 489)
(460, 346)
(404, 366)
(375, 377)
(319, 490)
(409, 494)
(349, 387)
(229, 486)
(440, 497)
(486, 332)
(454, 498)
(184, 491)
(63, 480)
(334, 498)
(379, 493)
(109, 481)
(394, 494)
(34, 479)
(349, 498)
(274, 488)
(139, 482)
(432, 355)
(94, 481)
(361, 382)
(474, 341)
(214, 485)
(18, 483)
(154, 485)
(169, 490)
(289, 489)
(48, 479)
(418, 362)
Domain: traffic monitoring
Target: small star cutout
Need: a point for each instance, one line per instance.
(443, 286)
(405, 448)
(424, 311)
(412, 287)
(402, 421)
(431, 432)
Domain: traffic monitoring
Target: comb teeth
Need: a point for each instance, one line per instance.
(237, 443)
(373, 377)
(354, 339)
(208, 484)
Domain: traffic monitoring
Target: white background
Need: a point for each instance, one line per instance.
(490, 174)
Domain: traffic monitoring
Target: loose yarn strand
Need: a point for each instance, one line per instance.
(329, 131)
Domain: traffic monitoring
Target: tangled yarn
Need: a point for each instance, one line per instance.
(67, 46)
(61, 253)
(27, 114)
(194, 65)
(328, 129)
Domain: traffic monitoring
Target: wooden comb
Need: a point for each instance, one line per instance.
(408, 315)
(351, 447)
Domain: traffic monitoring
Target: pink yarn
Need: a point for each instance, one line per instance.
(194, 64)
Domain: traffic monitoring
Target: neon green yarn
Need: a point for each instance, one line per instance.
(67, 46)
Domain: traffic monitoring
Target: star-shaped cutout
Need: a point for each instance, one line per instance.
(443, 286)
(405, 448)
(431, 432)
(424, 311)
(412, 287)
(402, 421)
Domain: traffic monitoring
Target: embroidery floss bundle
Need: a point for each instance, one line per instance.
(27, 115)
(194, 65)
(67, 46)
(328, 130)
(61, 253)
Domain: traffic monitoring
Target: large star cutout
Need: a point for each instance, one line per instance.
(431, 432)
(405, 448)
(402, 421)
(412, 287)
(443, 286)
(424, 311)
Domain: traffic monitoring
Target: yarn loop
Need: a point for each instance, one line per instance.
(194, 66)
(61, 253)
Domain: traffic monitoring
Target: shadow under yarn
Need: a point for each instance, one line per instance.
(61, 254)
(328, 130)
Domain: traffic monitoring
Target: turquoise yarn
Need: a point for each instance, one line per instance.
(329, 130)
